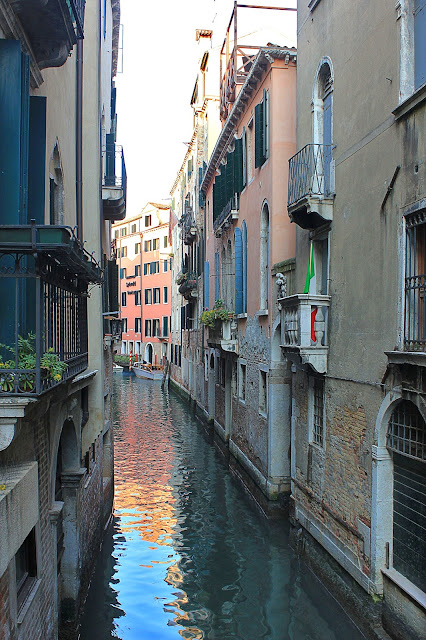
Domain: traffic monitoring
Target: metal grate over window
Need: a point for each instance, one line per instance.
(318, 425)
(406, 431)
(415, 282)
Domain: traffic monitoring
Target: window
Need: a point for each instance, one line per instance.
(123, 231)
(148, 245)
(165, 266)
(165, 326)
(317, 395)
(156, 244)
(138, 325)
(156, 294)
(180, 355)
(156, 327)
(133, 228)
(124, 325)
(147, 221)
(116, 234)
(148, 296)
(148, 328)
(323, 120)
(165, 295)
(415, 285)
(137, 297)
(263, 392)
(145, 268)
(122, 252)
(264, 257)
(244, 265)
(261, 131)
(123, 299)
(137, 270)
(26, 567)
(238, 278)
(406, 439)
(123, 273)
(137, 248)
(154, 267)
(165, 242)
(249, 154)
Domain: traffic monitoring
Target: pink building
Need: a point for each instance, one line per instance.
(143, 254)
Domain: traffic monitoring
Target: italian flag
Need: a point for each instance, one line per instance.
(310, 284)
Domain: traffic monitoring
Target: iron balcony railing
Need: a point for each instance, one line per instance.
(415, 313)
(77, 15)
(114, 167)
(44, 276)
(189, 284)
(310, 173)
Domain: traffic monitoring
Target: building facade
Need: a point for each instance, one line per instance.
(354, 329)
(56, 445)
(143, 247)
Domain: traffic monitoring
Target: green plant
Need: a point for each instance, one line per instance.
(122, 359)
(219, 312)
(181, 277)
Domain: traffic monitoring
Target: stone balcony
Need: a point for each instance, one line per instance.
(304, 329)
(224, 335)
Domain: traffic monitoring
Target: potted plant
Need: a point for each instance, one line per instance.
(220, 313)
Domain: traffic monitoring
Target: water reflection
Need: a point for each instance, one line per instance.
(187, 555)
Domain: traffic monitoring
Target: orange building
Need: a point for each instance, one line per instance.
(143, 255)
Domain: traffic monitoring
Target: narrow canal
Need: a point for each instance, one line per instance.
(188, 555)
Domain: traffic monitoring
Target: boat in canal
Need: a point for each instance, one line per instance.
(148, 371)
(117, 368)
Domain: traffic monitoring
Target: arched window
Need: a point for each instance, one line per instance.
(406, 439)
(264, 257)
(56, 188)
(244, 266)
(323, 121)
(238, 248)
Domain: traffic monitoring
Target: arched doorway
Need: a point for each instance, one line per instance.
(149, 353)
(323, 118)
(264, 257)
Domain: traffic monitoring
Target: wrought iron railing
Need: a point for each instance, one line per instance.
(44, 275)
(189, 284)
(77, 15)
(415, 313)
(310, 173)
(114, 167)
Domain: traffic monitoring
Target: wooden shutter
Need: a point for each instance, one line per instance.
(258, 131)
(238, 249)
(37, 159)
(238, 166)
(265, 125)
(244, 157)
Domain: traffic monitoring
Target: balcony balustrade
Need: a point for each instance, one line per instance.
(229, 213)
(225, 335)
(189, 228)
(44, 276)
(52, 28)
(304, 323)
(311, 186)
(114, 183)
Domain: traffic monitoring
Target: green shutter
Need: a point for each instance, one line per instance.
(238, 165)
(37, 159)
(229, 178)
(265, 125)
(258, 131)
(244, 157)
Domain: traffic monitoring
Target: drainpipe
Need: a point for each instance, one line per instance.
(79, 142)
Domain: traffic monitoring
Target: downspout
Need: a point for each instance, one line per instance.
(79, 142)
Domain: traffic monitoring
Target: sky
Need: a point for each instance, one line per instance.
(159, 63)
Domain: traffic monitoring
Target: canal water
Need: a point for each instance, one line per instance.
(188, 555)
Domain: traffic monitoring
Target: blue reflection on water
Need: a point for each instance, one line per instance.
(188, 555)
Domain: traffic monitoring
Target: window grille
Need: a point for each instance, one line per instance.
(318, 417)
(406, 431)
(415, 282)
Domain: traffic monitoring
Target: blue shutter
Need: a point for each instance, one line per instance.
(37, 159)
(244, 264)
(14, 124)
(238, 249)
(419, 43)
(206, 285)
(216, 276)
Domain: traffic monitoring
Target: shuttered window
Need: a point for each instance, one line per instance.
(406, 438)
(261, 131)
(238, 252)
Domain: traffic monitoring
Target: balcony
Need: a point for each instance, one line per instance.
(114, 183)
(52, 28)
(224, 335)
(189, 228)
(229, 213)
(311, 186)
(44, 276)
(304, 325)
(189, 285)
